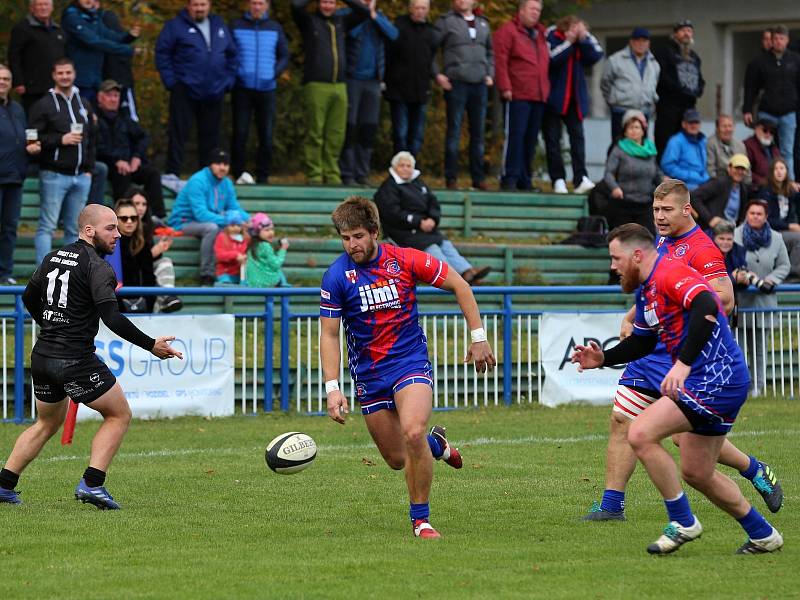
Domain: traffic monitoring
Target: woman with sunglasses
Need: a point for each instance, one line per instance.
(137, 260)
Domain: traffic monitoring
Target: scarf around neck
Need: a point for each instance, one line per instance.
(645, 150)
(755, 239)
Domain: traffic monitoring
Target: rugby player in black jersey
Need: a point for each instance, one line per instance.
(67, 295)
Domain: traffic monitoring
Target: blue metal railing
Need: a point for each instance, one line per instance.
(508, 312)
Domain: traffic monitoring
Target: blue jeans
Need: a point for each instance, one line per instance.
(207, 232)
(446, 252)
(787, 126)
(523, 121)
(10, 205)
(469, 97)
(408, 126)
(63, 195)
(97, 193)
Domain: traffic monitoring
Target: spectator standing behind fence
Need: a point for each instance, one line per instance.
(264, 262)
(721, 146)
(410, 216)
(629, 80)
(680, 82)
(685, 155)
(230, 249)
(467, 73)
(723, 198)
(14, 151)
(762, 150)
(782, 206)
(777, 73)
(632, 174)
(324, 32)
(410, 66)
(122, 146)
(36, 43)
(206, 203)
(768, 262)
(752, 66)
(65, 125)
(119, 67)
(196, 58)
(572, 49)
(522, 56)
(366, 66)
(89, 40)
(263, 56)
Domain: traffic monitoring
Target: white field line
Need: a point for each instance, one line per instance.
(481, 441)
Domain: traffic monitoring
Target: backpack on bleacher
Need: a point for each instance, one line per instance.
(591, 232)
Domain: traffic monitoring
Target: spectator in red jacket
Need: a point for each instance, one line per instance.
(522, 57)
(230, 248)
(762, 150)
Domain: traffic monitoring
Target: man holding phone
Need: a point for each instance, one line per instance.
(65, 124)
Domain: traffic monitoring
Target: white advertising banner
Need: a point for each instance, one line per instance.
(200, 384)
(558, 335)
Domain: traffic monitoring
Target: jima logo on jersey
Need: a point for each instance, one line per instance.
(379, 296)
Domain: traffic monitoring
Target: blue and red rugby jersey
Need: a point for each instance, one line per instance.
(377, 303)
(662, 308)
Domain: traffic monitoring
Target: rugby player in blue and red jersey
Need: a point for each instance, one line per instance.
(682, 240)
(700, 396)
(372, 289)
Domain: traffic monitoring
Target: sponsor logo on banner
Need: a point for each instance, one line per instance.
(200, 384)
(558, 335)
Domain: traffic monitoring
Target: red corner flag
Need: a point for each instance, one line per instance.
(69, 423)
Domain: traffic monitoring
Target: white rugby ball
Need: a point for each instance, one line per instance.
(290, 452)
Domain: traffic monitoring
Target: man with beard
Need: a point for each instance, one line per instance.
(680, 82)
(700, 396)
(372, 287)
(681, 240)
(67, 295)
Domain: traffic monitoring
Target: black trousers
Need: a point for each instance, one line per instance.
(244, 103)
(146, 176)
(668, 123)
(551, 131)
(207, 113)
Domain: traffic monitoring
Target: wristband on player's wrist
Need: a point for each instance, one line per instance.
(478, 335)
(331, 386)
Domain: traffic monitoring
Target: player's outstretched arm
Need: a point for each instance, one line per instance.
(479, 350)
(122, 326)
(330, 353)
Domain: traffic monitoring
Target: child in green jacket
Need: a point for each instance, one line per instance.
(264, 263)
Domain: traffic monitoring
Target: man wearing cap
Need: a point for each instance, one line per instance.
(205, 205)
(629, 81)
(122, 146)
(777, 73)
(762, 150)
(680, 82)
(721, 146)
(724, 197)
(684, 157)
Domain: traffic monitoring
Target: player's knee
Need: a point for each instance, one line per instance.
(48, 427)
(415, 436)
(637, 437)
(696, 476)
(396, 462)
(676, 439)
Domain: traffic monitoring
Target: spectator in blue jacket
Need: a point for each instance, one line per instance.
(13, 164)
(204, 206)
(263, 56)
(572, 48)
(366, 66)
(685, 155)
(197, 60)
(89, 40)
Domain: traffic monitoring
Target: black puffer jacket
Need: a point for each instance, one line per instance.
(402, 206)
(323, 39)
(119, 138)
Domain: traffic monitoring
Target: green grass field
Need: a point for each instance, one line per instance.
(204, 518)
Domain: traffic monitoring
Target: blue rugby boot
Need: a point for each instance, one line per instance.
(766, 484)
(9, 497)
(98, 496)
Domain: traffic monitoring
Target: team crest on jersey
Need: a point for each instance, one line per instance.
(380, 295)
(351, 276)
(680, 250)
(361, 390)
(391, 265)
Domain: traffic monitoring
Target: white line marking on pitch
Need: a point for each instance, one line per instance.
(481, 441)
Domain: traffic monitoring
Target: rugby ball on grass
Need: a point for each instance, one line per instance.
(290, 452)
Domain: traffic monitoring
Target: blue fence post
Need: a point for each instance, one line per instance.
(269, 341)
(284, 353)
(507, 350)
(19, 360)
